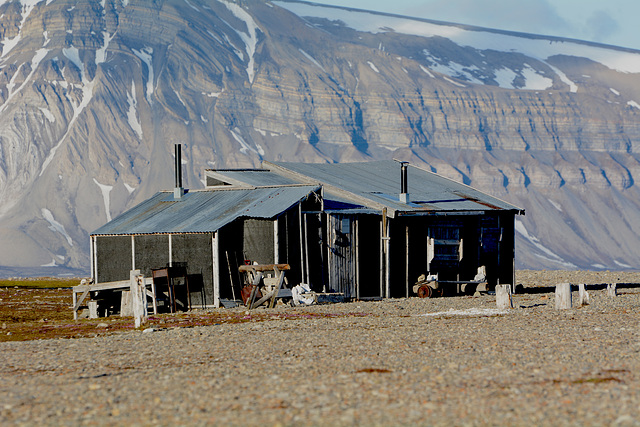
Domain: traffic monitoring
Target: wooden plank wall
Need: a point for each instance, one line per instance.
(342, 263)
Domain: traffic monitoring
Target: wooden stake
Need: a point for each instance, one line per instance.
(503, 297)
(583, 295)
(93, 309)
(563, 296)
(138, 297)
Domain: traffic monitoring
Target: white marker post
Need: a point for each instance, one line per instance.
(503, 297)
(563, 296)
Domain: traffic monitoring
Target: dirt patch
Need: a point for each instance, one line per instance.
(44, 313)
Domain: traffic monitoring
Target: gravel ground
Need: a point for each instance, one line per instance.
(442, 361)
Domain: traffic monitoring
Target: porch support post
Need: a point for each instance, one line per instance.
(92, 253)
(215, 250)
(407, 260)
(133, 252)
(387, 255)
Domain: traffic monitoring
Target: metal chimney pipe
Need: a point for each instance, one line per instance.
(178, 167)
(404, 184)
(178, 191)
(403, 177)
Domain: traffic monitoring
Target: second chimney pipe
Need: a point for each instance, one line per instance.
(404, 185)
(403, 177)
(178, 168)
(178, 192)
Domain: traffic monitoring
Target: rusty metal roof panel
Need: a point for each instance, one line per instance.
(203, 211)
(380, 182)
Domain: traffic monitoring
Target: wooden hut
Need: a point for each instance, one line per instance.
(366, 230)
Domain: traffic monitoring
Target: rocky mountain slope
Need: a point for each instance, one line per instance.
(93, 94)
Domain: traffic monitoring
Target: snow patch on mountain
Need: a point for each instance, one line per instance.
(555, 205)
(105, 189)
(129, 188)
(191, 6)
(312, 59)
(453, 82)
(429, 73)
(146, 56)
(55, 226)
(73, 54)
(245, 146)
(48, 115)
(534, 80)
(505, 77)
(101, 54)
(249, 38)
(132, 113)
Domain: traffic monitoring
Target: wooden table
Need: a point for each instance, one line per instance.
(84, 290)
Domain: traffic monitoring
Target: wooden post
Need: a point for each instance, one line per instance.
(138, 297)
(276, 243)
(612, 289)
(329, 245)
(94, 259)
(381, 261)
(92, 243)
(406, 267)
(583, 295)
(133, 252)
(302, 265)
(356, 243)
(215, 247)
(93, 309)
(563, 296)
(503, 297)
(75, 303)
(306, 249)
(387, 256)
(280, 275)
(254, 290)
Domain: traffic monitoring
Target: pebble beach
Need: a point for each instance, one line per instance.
(433, 362)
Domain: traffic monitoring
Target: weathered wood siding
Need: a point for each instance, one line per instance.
(342, 265)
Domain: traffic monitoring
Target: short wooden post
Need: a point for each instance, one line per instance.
(138, 297)
(563, 296)
(126, 309)
(93, 309)
(503, 297)
(583, 295)
(612, 290)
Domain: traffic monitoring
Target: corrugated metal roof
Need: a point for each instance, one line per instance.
(253, 177)
(203, 211)
(379, 182)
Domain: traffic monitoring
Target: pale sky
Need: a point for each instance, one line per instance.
(614, 22)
